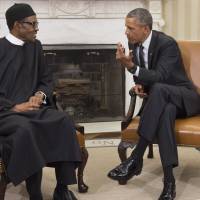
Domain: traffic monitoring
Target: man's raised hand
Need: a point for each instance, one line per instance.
(126, 61)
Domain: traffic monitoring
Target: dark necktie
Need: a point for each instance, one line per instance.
(141, 56)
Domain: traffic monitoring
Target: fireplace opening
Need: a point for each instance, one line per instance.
(89, 81)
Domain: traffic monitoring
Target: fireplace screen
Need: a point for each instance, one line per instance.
(89, 81)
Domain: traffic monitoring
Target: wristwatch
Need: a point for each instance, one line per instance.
(44, 96)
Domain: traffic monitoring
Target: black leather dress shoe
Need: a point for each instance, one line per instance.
(63, 194)
(126, 170)
(169, 191)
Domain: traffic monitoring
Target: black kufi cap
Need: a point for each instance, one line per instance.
(18, 12)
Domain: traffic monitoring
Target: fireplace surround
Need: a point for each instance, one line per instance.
(89, 81)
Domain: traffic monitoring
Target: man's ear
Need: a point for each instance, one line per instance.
(16, 25)
(147, 29)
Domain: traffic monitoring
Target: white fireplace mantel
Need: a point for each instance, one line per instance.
(85, 21)
(84, 8)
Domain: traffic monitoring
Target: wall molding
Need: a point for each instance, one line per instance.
(87, 9)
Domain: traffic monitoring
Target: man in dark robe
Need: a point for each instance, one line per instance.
(34, 133)
(158, 71)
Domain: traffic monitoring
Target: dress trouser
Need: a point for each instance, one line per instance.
(65, 175)
(157, 120)
(33, 185)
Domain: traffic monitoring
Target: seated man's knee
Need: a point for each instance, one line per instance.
(158, 88)
(170, 108)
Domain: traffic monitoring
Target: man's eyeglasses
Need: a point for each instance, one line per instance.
(33, 24)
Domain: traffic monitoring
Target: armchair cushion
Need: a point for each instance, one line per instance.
(187, 131)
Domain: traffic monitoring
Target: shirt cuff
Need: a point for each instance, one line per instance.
(137, 71)
(134, 70)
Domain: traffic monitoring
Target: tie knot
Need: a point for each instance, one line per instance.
(141, 47)
(138, 45)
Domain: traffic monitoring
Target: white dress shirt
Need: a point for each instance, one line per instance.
(145, 45)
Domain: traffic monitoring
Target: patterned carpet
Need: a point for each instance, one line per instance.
(147, 186)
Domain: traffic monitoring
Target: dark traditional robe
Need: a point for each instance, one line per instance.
(32, 139)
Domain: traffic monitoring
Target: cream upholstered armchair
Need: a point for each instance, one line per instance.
(187, 130)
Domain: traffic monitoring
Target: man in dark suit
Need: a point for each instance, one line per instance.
(157, 68)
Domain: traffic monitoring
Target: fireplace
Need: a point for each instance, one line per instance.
(89, 80)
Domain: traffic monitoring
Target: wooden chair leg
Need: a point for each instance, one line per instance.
(122, 151)
(3, 185)
(150, 153)
(198, 148)
(3, 180)
(82, 187)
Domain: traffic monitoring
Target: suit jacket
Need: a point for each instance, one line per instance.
(165, 66)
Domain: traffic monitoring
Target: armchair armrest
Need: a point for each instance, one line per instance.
(58, 103)
(127, 119)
